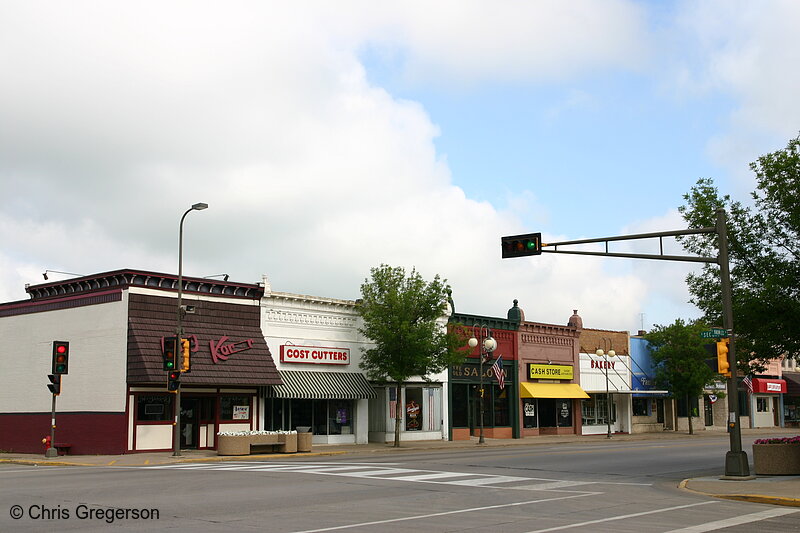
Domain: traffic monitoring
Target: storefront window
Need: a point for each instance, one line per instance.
(529, 413)
(564, 414)
(762, 405)
(234, 408)
(683, 407)
(595, 410)
(501, 406)
(460, 405)
(413, 409)
(154, 408)
(339, 417)
(641, 407)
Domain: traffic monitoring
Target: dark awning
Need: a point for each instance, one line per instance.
(321, 386)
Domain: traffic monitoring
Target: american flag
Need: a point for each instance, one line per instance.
(748, 382)
(497, 368)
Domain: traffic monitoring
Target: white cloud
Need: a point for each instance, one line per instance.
(114, 118)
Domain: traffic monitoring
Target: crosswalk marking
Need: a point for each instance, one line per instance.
(389, 472)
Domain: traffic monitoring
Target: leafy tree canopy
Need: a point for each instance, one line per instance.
(403, 317)
(679, 359)
(764, 249)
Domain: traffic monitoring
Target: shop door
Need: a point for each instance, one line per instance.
(190, 429)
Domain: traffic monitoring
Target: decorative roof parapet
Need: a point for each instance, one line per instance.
(124, 279)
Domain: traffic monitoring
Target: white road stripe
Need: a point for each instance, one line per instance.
(485, 481)
(446, 513)
(429, 477)
(553, 486)
(620, 517)
(735, 521)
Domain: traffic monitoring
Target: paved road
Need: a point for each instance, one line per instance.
(614, 486)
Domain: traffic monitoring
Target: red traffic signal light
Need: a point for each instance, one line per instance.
(174, 381)
(168, 352)
(521, 245)
(55, 383)
(60, 357)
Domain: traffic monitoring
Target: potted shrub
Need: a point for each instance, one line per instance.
(777, 456)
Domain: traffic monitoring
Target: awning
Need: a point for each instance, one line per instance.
(769, 386)
(322, 386)
(551, 390)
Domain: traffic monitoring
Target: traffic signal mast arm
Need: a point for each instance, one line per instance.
(659, 235)
(736, 459)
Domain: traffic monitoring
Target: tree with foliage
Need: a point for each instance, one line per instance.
(764, 250)
(404, 316)
(679, 358)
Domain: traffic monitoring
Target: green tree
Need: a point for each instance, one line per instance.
(679, 359)
(764, 249)
(404, 316)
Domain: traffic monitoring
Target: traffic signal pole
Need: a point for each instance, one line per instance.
(52, 451)
(736, 464)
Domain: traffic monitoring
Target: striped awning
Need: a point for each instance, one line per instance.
(322, 386)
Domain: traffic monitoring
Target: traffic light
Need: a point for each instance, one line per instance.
(186, 354)
(168, 353)
(723, 365)
(521, 245)
(60, 357)
(174, 381)
(55, 383)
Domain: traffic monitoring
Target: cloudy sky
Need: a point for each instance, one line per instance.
(331, 137)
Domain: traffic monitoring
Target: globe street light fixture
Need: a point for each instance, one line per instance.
(176, 434)
(610, 353)
(487, 346)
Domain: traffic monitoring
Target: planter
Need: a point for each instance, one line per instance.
(777, 459)
(304, 442)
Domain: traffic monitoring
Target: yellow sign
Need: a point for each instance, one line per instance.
(549, 371)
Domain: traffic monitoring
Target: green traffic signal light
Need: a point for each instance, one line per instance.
(521, 245)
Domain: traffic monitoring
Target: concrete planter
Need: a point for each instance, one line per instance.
(777, 459)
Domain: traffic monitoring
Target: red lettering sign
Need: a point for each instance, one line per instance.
(221, 351)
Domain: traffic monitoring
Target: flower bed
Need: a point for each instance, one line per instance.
(244, 442)
(777, 456)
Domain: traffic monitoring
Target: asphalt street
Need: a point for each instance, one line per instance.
(618, 485)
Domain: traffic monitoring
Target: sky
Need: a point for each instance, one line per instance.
(328, 138)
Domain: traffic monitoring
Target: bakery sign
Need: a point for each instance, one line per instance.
(314, 355)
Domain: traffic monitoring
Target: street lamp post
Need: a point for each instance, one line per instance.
(176, 433)
(610, 353)
(487, 346)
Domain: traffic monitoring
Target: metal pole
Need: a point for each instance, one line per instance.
(52, 451)
(736, 464)
(480, 354)
(608, 399)
(176, 432)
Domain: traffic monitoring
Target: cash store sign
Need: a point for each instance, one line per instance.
(549, 371)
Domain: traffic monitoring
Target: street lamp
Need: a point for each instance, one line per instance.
(610, 353)
(487, 346)
(176, 434)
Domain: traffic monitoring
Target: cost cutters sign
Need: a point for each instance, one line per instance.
(314, 355)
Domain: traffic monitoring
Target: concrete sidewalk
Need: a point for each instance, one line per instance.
(778, 490)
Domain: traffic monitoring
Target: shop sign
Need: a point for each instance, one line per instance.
(549, 371)
(314, 355)
(220, 351)
(471, 371)
(241, 412)
(602, 364)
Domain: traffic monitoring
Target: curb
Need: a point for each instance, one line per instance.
(751, 498)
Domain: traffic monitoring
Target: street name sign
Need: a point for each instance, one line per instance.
(714, 333)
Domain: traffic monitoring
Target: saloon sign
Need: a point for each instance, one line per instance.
(314, 355)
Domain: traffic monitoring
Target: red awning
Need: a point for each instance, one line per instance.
(769, 386)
